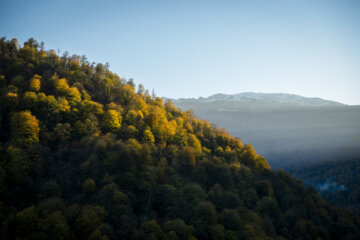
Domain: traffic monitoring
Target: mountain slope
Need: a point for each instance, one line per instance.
(84, 156)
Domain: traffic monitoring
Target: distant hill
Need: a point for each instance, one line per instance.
(289, 130)
(283, 99)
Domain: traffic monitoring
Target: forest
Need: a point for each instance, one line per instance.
(336, 180)
(87, 154)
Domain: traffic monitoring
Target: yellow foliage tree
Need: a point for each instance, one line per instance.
(112, 121)
(194, 142)
(63, 105)
(61, 86)
(74, 95)
(171, 128)
(148, 136)
(89, 107)
(114, 106)
(11, 99)
(29, 99)
(25, 128)
(35, 83)
(252, 159)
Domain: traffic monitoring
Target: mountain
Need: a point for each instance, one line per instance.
(289, 130)
(264, 98)
(84, 154)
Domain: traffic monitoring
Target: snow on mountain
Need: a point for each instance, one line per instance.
(269, 98)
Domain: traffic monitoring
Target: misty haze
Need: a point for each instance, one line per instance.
(289, 130)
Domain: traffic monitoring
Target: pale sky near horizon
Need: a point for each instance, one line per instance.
(199, 48)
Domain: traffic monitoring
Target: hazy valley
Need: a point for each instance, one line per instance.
(317, 140)
(289, 130)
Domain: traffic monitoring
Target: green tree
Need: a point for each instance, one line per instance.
(62, 132)
(186, 161)
(89, 219)
(89, 186)
(179, 228)
(206, 212)
(152, 231)
(231, 219)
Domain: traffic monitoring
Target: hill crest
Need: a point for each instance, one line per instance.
(260, 98)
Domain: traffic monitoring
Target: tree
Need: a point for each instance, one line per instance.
(61, 86)
(25, 128)
(88, 127)
(141, 89)
(10, 100)
(186, 161)
(35, 83)
(268, 206)
(89, 219)
(50, 189)
(74, 95)
(148, 136)
(19, 81)
(249, 156)
(206, 212)
(89, 186)
(181, 230)
(194, 142)
(264, 188)
(62, 132)
(111, 121)
(96, 235)
(2, 81)
(231, 219)
(152, 230)
(27, 222)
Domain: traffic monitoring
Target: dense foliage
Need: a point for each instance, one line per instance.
(87, 155)
(338, 181)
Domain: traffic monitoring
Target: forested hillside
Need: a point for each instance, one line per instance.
(85, 154)
(338, 181)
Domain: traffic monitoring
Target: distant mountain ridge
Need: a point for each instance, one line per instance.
(288, 129)
(260, 98)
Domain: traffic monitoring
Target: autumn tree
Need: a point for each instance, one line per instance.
(148, 136)
(35, 83)
(25, 128)
(111, 121)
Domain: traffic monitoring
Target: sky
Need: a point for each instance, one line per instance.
(199, 48)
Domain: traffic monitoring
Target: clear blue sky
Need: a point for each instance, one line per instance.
(198, 48)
